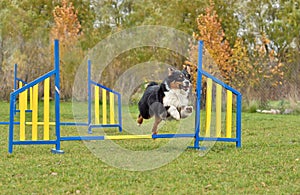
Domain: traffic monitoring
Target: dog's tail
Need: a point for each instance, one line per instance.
(152, 83)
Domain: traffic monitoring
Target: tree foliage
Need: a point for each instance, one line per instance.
(66, 24)
(211, 32)
(67, 29)
(253, 44)
(271, 35)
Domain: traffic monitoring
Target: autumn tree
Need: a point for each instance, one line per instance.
(67, 29)
(66, 24)
(243, 66)
(228, 12)
(211, 32)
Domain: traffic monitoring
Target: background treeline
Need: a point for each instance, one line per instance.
(254, 43)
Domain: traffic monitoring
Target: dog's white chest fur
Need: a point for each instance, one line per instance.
(175, 98)
(178, 104)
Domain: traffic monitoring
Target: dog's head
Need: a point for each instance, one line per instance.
(178, 80)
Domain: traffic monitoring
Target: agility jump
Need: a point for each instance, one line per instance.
(106, 121)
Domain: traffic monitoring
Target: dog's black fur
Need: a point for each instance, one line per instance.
(166, 100)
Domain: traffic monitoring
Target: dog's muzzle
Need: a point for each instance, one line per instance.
(186, 85)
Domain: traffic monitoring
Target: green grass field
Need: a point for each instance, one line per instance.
(267, 163)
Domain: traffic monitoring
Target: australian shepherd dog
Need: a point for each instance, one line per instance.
(166, 100)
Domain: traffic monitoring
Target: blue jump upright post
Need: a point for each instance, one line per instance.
(11, 122)
(198, 95)
(57, 149)
(239, 121)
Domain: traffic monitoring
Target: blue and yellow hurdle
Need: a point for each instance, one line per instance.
(34, 101)
(106, 115)
(31, 106)
(214, 84)
(218, 110)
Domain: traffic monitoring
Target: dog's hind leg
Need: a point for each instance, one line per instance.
(155, 125)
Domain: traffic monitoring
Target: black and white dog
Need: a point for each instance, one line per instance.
(166, 100)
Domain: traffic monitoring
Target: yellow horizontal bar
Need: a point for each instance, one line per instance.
(120, 137)
(41, 123)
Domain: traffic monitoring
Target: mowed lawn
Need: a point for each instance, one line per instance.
(267, 163)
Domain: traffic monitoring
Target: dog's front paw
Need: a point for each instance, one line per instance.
(174, 113)
(176, 116)
(186, 111)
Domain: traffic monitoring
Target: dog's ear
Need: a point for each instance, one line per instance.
(187, 66)
(188, 69)
(171, 70)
